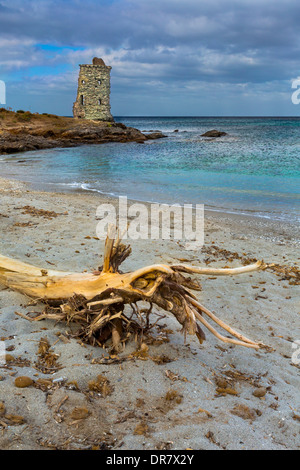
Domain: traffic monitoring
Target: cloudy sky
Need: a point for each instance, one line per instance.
(168, 57)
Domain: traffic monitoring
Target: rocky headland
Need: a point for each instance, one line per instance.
(22, 131)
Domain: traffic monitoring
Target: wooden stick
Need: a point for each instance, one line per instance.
(223, 338)
(220, 322)
(105, 302)
(218, 272)
(109, 244)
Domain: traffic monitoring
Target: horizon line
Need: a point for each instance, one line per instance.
(192, 116)
(207, 116)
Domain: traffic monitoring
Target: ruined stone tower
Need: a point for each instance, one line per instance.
(93, 92)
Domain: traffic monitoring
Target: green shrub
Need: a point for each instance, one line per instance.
(24, 117)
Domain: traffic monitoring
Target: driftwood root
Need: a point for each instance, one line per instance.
(98, 302)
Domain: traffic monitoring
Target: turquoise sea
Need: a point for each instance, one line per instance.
(254, 170)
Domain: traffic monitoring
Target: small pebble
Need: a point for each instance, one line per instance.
(259, 392)
(9, 358)
(22, 382)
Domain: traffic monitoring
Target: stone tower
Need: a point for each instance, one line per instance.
(93, 92)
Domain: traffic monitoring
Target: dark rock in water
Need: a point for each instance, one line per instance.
(213, 133)
(151, 130)
(176, 130)
(155, 135)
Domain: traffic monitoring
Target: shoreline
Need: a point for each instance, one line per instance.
(261, 407)
(265, 227)
(284, 216)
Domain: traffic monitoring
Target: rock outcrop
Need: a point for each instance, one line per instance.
(20, 132)
(213, 133)
(155, 135)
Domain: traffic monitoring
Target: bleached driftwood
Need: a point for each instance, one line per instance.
(96, 300)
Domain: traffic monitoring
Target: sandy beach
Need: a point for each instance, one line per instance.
(209, 396)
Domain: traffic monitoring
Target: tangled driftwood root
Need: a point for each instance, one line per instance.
(96, 301)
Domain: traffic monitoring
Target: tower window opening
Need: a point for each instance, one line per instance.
(99, 82)
(83, 82)
(82, 100)
(99, 102)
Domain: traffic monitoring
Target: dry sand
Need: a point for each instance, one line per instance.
(66, 414)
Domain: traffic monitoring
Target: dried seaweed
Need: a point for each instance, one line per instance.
(47, 359)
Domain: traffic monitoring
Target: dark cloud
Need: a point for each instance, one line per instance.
(229, 27)
(140, 23)
(171, 42)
